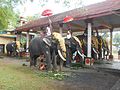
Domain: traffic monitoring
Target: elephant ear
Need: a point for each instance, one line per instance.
(77, 41)
(105, 43)
(61, 42)
(95, 41)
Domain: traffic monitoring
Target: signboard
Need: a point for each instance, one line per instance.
(3, 32)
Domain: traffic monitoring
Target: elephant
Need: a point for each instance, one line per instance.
(105, 49)
(55, 51)
(38, 47)
(94, 46)
(51, 49)
(70, 49)
(102, 48)
(73, 50)
(11, 49)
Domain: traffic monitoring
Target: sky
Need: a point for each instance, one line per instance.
(32, 8)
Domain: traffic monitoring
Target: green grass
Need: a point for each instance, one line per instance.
(17, 77)
(53, 75)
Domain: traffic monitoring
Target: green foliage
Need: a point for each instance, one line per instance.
(105, 35)
(69, 3)
(13, 76)
(23, 40)
(53, 75)
(8, 17)
(77, 66)
(65, 3)
(116, 40)
(29, 18)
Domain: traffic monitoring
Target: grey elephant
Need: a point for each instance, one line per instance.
(73, 50)
(11, 49)
(52, 50)
(94, 45)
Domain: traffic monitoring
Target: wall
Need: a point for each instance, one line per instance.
(6, 40)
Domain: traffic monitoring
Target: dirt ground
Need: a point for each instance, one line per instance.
(81, 79)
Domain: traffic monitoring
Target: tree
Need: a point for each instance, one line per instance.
(67, 4)
(105, 35)
(8, 16)
(70, 3)
(116, 40)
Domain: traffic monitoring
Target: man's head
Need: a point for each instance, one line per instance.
(69, 34)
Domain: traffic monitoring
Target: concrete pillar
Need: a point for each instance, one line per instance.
(89, 40)
(88, 59)
(111, 36)
(60, 29)
(89, 32)
(27, 43)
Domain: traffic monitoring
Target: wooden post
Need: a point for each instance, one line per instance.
(111, 36)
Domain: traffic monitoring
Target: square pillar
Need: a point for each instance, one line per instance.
(89, 35)
(88, 59)
(89, 39)
(27, 44)
(111, 36)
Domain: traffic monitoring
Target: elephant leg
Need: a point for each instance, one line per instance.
(54, 60)
(31, 61)
(35, 60)
(94, 55)
(55, 63)
(48, 60)
(11, 53)
(103, 54)
(100, 54)
(61, 64)
(68, 57)
(8, 53)
(106, 57)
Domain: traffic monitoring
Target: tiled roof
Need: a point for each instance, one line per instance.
(92, 11)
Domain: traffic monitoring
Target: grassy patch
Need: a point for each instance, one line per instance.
(76, 66)
(53, 75)
(98, 62)
(17, 77)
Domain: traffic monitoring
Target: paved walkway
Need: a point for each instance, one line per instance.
(112, 67)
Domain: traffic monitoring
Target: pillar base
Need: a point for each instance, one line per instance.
(89, 61)
(110, 57)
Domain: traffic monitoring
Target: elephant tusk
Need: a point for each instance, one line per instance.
(61, 56)
(74, 54)
(94, 50)
(82, 55)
